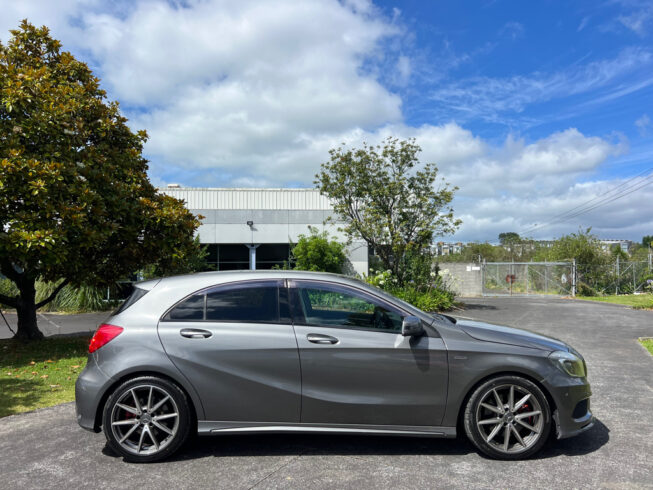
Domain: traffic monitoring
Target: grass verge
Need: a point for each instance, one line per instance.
(39, 374)
(637, 301)
(647, 343)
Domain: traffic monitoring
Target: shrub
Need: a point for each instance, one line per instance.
(317, 252)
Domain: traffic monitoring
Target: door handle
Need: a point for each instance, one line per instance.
(195, 333)
(317, 338)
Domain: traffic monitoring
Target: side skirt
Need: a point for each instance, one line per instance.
(220, 427)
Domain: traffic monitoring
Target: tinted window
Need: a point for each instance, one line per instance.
(332, 305)
(137, 294)
(252, 303)
(188, 310)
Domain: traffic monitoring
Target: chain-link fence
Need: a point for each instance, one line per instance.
(618, 277)
(528, 278)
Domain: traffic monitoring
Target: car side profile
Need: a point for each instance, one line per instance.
(288, 351)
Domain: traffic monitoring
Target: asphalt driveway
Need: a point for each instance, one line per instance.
(47, 449)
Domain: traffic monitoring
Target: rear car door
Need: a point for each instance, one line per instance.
(357, 368)
(235, 343)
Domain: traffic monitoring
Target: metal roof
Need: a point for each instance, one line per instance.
(248, 198)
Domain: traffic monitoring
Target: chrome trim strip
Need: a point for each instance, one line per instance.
(217, 427)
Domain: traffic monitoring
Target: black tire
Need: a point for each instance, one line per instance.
(511, 421)
(162, 436)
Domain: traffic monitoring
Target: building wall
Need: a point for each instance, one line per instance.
(465, 279)
(277, 216)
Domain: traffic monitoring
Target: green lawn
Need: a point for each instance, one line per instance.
(39, 374)
(639, 301)
(648, 343)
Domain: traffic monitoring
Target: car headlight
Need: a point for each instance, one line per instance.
(570, 363)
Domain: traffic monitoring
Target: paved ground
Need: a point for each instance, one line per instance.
(57, 324)
(47, 448)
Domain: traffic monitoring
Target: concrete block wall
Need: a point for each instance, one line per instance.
(465, 279)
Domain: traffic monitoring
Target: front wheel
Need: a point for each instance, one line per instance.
(508, 417)
(146, 419)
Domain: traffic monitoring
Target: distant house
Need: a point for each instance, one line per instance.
(624, 245)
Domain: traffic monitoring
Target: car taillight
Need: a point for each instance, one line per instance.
(104, 334)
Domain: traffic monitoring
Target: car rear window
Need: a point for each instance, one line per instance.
(137, 294)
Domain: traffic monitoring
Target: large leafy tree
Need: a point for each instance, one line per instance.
(76, 205)
(389, 199)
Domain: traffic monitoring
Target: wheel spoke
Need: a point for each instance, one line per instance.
(140, 441)
(522, 401)
(149, 399)
(511, 398)
(158, 405)
(127, 408)
(528, 426)
(152, 438)
(129, 433)
(161, 427)
(494, 432)
(165, 416)
(498, 400)
(517, 436)
(506, 438)
(136, 402)
(125, 422)
(489, 421)
(520, 416)
(492, 409)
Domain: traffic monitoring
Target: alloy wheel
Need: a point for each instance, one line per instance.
(509, 418)
(144, 419)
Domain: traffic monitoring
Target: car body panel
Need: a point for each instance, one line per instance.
(243, 371)
(372, 378)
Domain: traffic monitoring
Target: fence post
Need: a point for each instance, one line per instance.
(616, 284)
(573, 278)
(632, 265)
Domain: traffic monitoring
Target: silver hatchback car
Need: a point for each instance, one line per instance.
(288, 351)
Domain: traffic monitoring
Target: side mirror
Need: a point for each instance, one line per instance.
(411, 326)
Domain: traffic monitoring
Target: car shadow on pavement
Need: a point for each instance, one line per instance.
(354, 445)
(585, 443)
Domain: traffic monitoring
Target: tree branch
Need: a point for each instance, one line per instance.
(53, 295)
(8, 300)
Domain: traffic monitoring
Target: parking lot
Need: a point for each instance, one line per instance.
(47, 449)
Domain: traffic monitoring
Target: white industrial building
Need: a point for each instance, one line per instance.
(254, 228)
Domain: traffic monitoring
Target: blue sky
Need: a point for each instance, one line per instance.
(530, 108)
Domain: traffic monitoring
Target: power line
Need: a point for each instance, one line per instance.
(561, 215)
(602, 200)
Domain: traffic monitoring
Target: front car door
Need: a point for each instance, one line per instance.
(357, 368)
(235, 344)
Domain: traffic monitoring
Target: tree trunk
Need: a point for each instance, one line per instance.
(26, 308)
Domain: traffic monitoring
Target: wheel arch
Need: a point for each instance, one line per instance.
(474, 385)
(137, 374)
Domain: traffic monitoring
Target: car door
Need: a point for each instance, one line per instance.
(236, 345)
(357, 368)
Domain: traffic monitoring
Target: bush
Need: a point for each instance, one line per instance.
(431, 297)
(430, 301)
(318, 253)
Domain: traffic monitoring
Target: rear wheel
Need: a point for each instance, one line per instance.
(146, 419)
(508, 417)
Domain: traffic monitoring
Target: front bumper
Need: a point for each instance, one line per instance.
(571, 396)
(89, 389)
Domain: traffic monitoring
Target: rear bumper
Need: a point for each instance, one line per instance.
(572, 414)
(89, 389)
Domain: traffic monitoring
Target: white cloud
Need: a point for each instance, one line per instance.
(488, 98)
(643, 123)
